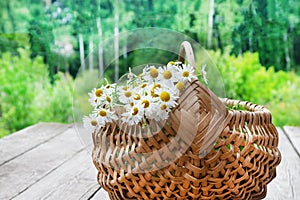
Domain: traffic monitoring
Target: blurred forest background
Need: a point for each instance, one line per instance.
(254, 43)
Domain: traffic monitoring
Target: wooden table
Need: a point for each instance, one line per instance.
(53, 161)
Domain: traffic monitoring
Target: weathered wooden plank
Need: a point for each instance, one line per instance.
(287, 183)
(90, 193)
(75, 179)
(294, 135)
(100, 195)
(22, 141)
(60, 168)
(21, 173)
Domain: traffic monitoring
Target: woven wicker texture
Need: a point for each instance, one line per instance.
(211, 152)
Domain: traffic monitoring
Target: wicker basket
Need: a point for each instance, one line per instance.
(217, 151)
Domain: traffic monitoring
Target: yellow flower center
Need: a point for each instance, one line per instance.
(108, 99)
(107, 86)
(165, 96)
(167, 74)
(98, 92)
(185, 74)
(153, 93)
(143, 85)
(146, 103)
(172, 62)
(124, 88)
(135, 111)
(94, 122)
(153, 72)
(131, 104)
(102, 113)
(180, 85)
(128, 94)
(163, 107)
(137, 97)
(156, 85)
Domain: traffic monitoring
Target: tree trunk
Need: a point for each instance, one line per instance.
(251, 32)
(48, 3)
(217, 33)
(210, 22)
(286, 52)
(150, 8)
(150, 5)
(11, 16)
(116, 42)
(91, 47)
(179, 15)
(66, 64)
(100, 48)
(81, 51)
(250, 40)
(125, 51)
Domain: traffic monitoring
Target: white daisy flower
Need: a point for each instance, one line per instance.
(149, 105)
(110, 90)
(152, 87)
(168, 74)
(186, 73)
(108, 100)
(96, 96)
(150, 73)
(133, 115)
(167, 96)
(137, 95)
(150, 95)
(126, 94)
(105, 115)
(179, 86)
(162, 112)
(90, 123)
(102, 95)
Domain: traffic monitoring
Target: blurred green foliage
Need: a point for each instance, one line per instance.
(252, 41)
(246, 79)
(84, 83)
(26, 94)
(270, 27)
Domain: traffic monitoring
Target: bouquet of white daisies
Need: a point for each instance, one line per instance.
(150, 95)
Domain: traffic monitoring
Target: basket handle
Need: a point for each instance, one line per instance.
(186, 53)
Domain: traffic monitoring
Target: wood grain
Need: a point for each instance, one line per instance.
(27, 139)
(75, 179)
(21, 173)
(293, 134)
(100, 195)
(286, 185)
(48, 161)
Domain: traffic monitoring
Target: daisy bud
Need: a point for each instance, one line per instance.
(94, 122)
